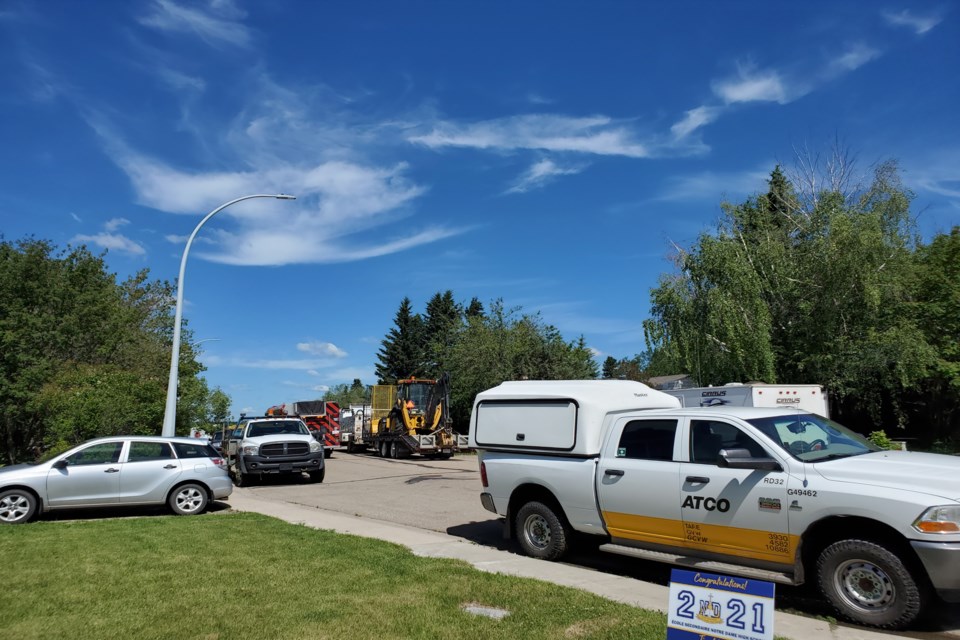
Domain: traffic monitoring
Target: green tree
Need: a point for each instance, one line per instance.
(81, 354)
(402, 352)
(509, 345)
(800, 288)
(441, 324)
(937, 398)
(609, 368)
(345, 395)
(219, 407)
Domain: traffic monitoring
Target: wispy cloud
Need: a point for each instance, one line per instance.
(111, 241)
(115, 223)
(694, 119)
(541, 173)
(853, 58)
(322, 349)
(751, 85)
(75, 217)
(919, 24)
(598, 135)
(216, 24)
(709, 185)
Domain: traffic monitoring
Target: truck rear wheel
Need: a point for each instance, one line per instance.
(542, 533)
(867, 584)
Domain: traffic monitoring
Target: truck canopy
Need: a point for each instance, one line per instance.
(558, 416)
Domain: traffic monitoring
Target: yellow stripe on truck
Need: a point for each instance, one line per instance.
(733, 541)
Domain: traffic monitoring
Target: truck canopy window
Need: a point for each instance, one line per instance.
(648, 440)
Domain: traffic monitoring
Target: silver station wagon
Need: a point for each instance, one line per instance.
(184, 473)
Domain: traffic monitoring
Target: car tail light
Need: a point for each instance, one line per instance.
(220, 462)
(483, 475)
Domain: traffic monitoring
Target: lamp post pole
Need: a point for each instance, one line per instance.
(170, 411)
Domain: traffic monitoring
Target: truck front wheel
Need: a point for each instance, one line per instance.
(869, 585)
(542, 533)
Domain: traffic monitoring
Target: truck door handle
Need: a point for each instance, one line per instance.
(112, 470)
(698, 479)
(170, 466)
(613, 472)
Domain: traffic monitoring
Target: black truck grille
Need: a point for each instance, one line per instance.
(275, 449)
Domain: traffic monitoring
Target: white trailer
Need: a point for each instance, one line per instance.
(806, 397)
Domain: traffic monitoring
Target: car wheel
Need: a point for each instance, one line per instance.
(17, 506)
(542, 533)
(867, 584)
(188, 499)
(317, 476)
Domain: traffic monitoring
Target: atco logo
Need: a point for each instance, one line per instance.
(788, 400)
(712, 394)
(710, 504)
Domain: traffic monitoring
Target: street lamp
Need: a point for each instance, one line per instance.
(170, 412)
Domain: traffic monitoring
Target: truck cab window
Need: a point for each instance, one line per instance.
(708, 437)
(648, 440)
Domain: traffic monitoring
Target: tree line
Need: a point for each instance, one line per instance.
(823, 279)
(479, 347)
(83, 355)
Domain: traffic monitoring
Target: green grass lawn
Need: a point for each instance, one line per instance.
(226, 576)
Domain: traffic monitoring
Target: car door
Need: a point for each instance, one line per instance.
(148, 473)
(638, 482)
(90, 477)
(734, 512)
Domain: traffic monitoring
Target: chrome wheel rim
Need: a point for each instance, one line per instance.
(537, 531)
(189, 499)
(14, 508)
(865, 586)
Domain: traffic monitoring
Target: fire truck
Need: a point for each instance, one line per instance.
(322, 418)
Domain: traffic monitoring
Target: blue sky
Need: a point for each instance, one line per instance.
(549, 154)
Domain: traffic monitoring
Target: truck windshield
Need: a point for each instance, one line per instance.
(812, 438)
(279, 427)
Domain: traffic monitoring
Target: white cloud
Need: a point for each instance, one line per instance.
(313, 372)
(115, 223)
(540, 174)
(322, 349)
(751, 85)
(919, 24)
(853, 58)
(694, 119)
(180, 81)
(75, 217)
(217, 26)
(597, 135)
(112, 242)
(709, 185)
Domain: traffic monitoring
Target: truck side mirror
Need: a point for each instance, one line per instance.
(741, 459)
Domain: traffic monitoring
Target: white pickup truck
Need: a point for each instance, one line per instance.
(767, 493)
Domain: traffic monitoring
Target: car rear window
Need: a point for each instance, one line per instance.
(191, 450)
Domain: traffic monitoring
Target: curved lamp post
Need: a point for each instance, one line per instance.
(170, 412)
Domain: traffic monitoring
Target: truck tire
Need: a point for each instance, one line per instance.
(394, 450)
(868, 584)
(542, 533)
(240, 478)
(317, 476)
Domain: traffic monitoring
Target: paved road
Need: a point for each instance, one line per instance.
(443, 496)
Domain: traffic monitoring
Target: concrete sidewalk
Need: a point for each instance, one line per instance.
(439, 545)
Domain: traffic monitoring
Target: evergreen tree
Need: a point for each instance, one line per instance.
(401, 354)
